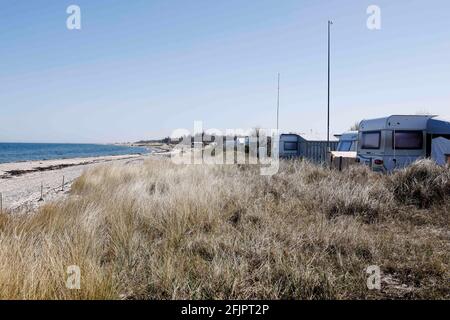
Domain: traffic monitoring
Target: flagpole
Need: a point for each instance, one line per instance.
(278, 102)
(328, 105)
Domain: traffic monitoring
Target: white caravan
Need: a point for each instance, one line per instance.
(396, 141)
(347, 145)
(348, 141)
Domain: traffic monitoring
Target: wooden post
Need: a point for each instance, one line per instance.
(340, 163)
(42, 192)
(62, 186)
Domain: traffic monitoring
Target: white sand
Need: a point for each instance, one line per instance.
(20, 182)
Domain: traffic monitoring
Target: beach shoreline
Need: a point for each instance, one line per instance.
(20, 182)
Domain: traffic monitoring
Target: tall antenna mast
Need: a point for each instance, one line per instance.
(328, 113)
(278, 102)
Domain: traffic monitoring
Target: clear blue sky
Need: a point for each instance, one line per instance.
(140, 69)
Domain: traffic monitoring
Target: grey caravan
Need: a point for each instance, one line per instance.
(348, 141)
(398, 140)
(290, 145)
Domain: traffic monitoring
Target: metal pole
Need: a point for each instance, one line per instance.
(278, 102)
(328, 109)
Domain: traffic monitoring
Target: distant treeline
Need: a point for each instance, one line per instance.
(204, 137)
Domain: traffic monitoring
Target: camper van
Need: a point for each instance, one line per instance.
(398, 140)
(346, 149)
(290, 145)
(348, 141)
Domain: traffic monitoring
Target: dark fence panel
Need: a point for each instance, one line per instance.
(316, 151)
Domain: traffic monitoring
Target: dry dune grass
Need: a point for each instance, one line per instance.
(166, 231)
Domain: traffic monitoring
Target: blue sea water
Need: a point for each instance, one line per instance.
(15, 152)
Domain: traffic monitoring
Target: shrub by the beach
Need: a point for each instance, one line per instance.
(422, 184)
(356, 192)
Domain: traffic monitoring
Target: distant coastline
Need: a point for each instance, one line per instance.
(32, 165)
(23, 152)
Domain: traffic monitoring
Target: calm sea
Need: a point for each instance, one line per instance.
(14, 152)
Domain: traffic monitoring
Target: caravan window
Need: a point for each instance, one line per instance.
(371, 140)
(410, 140)
(290, 146)
(345, 146)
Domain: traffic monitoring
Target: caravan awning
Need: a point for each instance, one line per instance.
(440, 149)
(435, 126)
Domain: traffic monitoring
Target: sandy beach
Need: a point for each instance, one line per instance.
(20, 182)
